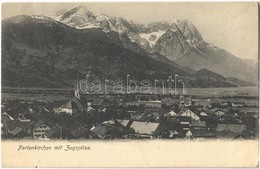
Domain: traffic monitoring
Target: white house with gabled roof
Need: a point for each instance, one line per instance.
(188, 113)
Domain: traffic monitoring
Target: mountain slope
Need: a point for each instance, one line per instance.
(209, 78)
(39, 51)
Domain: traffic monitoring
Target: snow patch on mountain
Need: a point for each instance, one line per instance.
(152, 37)
(87, 26)
(40, 17)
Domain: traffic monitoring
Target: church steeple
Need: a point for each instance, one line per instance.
(77, 92)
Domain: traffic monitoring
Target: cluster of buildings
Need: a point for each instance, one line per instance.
(136, 118)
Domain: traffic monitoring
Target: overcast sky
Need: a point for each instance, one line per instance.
(231, 26)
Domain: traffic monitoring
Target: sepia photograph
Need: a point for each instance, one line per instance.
(88, 78)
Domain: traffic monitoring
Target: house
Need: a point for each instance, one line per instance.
(182, 103)
(17, 133)
(78, 132)
(188, 113)
(235, 136)
(31, 110)
(6, 117)
(102, 109)
(78, 104)
(198, 124)
(188, 103)
(125, 123)
(168, 130)
(227, 135)
(246, 134)
(56, 132)
(171, 114)
(171, 117)
(57, 110)
(106, 130)
(198, 133)
(3, 133)
(13, 127)
(174, 134)
(39, 129)
(203, 114)
(73, 106)
(240, 137)
(224, 104)
(219, 113)
(23, 119)
(185, 122)
(238, 104)
(137, 117)
(144, 129)
(148, 117)
(235, 128)
(95, 102)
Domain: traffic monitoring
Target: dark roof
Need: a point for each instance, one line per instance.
(70, 105)
(75, 103)
(88, 99)
(201, 132)
(222, 110)
(52, 131)
(101, 130)
(40, 122)
(12, 124)
(6, 116)
(183, 118)
(227, 134)
(125, 123)
(236, 128)
(198, 123)
(16, 130)
(172, 126)
(75, 132)
(78, 131)
(106, 129)
(184, 109)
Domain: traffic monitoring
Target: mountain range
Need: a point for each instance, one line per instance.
(52, 51)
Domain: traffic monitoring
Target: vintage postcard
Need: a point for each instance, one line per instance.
(120, 84)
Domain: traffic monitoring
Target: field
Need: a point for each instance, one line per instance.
(202, 96)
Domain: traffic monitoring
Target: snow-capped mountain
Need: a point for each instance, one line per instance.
(177, 40)
(145, 36)
(77, 17)
(80, 18)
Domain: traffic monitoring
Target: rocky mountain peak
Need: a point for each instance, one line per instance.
(189, 30)
(79, 11)
(78, 17)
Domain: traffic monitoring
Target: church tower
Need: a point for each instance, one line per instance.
(77, 92)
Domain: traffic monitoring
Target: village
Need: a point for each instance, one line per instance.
(128, 116)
